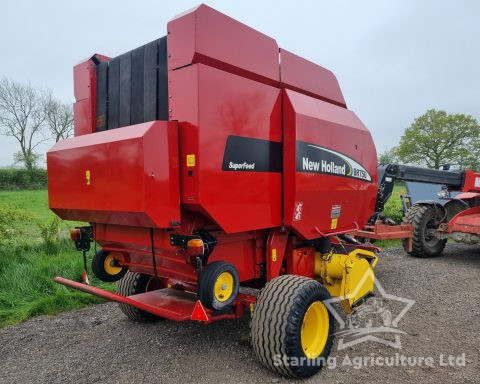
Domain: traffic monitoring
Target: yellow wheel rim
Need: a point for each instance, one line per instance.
(314, 332)
(224, 286)
(111, 265)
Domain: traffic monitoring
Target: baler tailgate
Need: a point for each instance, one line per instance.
(126, 176)
(167, 303)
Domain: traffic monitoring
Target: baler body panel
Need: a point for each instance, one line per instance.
(204, 35)
(127, 176)
(330, 168)
(135, 245)
(85, 91)
(231, 130)
(305, 77)
(243, 108)
(229, 160)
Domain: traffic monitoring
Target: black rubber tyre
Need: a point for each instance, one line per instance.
(98, 268)
(277, 323)
(132, 284)
(423, 217)
(206, 286)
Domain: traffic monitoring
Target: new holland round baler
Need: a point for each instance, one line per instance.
(210, 161)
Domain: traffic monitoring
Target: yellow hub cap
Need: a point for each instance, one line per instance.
(111, 265)
(223, 286)
(314, 332)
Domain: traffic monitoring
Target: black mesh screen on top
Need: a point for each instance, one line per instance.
(132, 88)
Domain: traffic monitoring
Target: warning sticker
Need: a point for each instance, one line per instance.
(191, 160)
(333, 224)
(297, 212)
(335, 212)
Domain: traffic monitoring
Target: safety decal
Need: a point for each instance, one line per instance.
(335, 211)
(191, 160)
(297, 212)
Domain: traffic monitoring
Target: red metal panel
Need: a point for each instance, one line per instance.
(466, 195)
(135, 243)
(238, 250)
(82, 118)
(126, 176)
(204, 35)
(471, 182)
(306, 77)
(318, 204)
(166, 303)
(381, 231)
(225, 104)
(85, 87)
(84, 90)
(467, 221)
(275, 252)
(183, 100)
(301, 261)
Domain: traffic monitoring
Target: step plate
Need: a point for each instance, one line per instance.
(167, 303)
(171, 303)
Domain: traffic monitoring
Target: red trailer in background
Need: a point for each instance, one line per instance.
(428, 223)
(209, 161)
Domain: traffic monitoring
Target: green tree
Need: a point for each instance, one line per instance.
(437, 138)
(389, 156)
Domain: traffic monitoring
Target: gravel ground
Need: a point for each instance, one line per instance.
(99, 344)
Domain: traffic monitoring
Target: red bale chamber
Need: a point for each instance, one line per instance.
(215, 135)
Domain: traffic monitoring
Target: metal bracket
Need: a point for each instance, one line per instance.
(181, 240)
(208, 240)
(86, 237)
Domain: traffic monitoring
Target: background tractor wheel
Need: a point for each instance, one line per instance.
(424, 218)
(218, 285)
(290, 320)
(132, 284)
(105, 266)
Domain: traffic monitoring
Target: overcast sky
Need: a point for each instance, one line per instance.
(393, 59)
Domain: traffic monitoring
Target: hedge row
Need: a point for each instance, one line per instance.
(12, 179)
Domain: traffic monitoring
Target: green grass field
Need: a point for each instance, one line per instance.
(27, 269)
(393, 209)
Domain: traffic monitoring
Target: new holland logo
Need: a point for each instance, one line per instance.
(315, 159)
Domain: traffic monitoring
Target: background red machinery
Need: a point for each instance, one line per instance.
(431, 220)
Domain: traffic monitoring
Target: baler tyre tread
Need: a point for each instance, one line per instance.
(416, 216)
(98, 268)
(276, 322)
(207, 282)
(131, 284)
